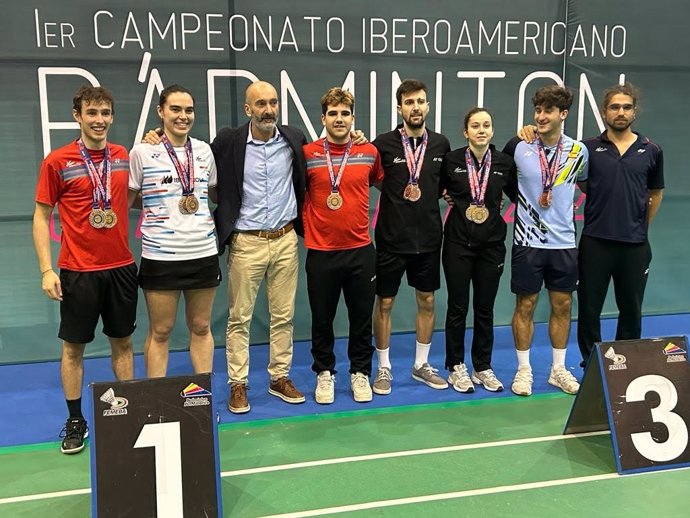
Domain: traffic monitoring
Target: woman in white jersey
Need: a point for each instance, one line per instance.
(179, 254)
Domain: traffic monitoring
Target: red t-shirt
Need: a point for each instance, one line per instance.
(347, 227)
(64, 180)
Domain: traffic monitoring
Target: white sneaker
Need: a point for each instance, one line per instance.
(460, 380)
(563, 379)
(325, 388)
(522, 384)
(488, 379)
(361, 390)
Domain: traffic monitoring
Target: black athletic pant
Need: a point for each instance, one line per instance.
(354, 273)
(601, 260)
(482, 267)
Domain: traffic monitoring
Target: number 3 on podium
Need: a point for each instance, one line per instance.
(677, 440)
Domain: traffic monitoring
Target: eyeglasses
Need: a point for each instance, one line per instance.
(617, 107)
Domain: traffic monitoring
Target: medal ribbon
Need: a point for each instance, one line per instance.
(479, 178)
(549, 173)
(335, 181)
(184, 173)
(97, 175)
(415, 158)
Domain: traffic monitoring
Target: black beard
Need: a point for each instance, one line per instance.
(415, 125)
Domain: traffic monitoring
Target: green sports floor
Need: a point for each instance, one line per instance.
(489, 457)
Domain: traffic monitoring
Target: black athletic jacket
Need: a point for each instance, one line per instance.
(406, 227)
(454, 178)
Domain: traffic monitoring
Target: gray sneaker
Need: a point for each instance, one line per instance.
(382, 383)
(488, 379)
(459, 379)
(428, 375)
(361, 390)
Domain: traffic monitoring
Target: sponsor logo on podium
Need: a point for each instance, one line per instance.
(194, 395)
(118, 405)
(674, 353)
(617, 359)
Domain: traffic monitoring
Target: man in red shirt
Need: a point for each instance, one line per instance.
(87, 180)
(340, 254)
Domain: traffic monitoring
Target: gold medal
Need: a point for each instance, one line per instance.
(545, 199)
(110, 218)
(334, 201)
(182, 205)
(480, 214)
(191, 204)
(412, 192)
(97, 218)
(469, 212)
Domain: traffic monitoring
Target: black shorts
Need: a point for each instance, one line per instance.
(557, 269)
(423, 271)
(192, 274)
(111, 294)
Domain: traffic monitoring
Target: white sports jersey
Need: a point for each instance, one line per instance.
(552, 227)
(167, 234)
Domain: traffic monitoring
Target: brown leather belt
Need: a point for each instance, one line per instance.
(270, 234)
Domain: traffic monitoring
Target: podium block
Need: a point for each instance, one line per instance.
(154, 449)
(640, 390)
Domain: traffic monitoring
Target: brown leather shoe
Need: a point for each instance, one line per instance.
(285, 390)
(238, 403)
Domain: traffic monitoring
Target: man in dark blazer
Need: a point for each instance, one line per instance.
(261, 184)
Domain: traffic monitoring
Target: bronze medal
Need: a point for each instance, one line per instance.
(182, 205)
(412, 192)
(334, 201)
(97, 218)
(480, 214)
(545, 199)
(110, 218)
(191, 204)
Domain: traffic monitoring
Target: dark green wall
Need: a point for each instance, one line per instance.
(651, 49)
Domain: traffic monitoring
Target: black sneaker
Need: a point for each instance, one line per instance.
(74, 433)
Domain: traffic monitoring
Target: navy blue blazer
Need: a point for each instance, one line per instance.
(229, 148)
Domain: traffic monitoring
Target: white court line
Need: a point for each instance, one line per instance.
(407, 453)
(44, 496)
(340, 460)
(447, 496)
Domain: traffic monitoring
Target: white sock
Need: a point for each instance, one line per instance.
(384, 359)
(523, 359)
(421, 354)
(558, 357)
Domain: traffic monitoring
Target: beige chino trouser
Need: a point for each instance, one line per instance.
(251, 260)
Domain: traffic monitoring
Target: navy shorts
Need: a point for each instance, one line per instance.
(109, 294)
(192, 274)
(555, 268)
(423, 271)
